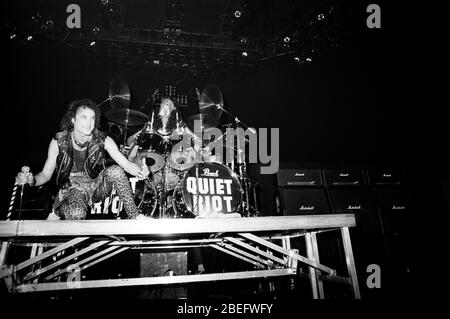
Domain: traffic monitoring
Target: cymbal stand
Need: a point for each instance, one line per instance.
(255, 198)
(162, 192)
(125, 134)
(243, 177)
(197, 203)
(242, 168)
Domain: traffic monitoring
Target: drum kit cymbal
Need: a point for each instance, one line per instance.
(126, 117)
(186, 180)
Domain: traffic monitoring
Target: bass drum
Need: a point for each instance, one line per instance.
(217, 190)
(145, 197)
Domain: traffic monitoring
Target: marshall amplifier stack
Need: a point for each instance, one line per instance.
(379, 197)
(380, 200)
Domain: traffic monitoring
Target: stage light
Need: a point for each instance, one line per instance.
(297, 59)
(308, 59)
(92, 43)
(237, 13)
(12, 35)
(244, 53)
(105, 2)
(95, 30)
(49, 25)
(29, 38)
(156, 62)
(321, 17)
(286, 39)
(243, 40)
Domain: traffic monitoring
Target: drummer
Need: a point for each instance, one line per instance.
(167, 123)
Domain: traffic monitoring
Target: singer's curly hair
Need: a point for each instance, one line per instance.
(66, 121)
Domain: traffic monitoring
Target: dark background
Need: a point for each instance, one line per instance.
(379, 99)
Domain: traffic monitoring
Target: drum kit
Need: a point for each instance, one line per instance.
(188, 178)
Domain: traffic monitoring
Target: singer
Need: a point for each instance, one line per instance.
(77, 155)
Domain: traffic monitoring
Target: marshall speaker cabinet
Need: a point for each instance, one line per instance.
(358, 202)
(396, 209)
(304, 201)
(301, 192)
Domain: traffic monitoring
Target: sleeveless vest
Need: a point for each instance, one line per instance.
(95, 158)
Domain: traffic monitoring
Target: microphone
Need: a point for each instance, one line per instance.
(24, 171)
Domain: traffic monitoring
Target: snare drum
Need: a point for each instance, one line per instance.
(213, 189)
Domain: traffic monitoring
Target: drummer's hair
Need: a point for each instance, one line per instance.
(66, 121)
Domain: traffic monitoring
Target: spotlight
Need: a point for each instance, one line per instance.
(244, 53)
(297, 59)
(321, 17)
(308, 59)
(49, 25)
(286, 39)
(92, 43)
(156, 62)
(29, 38)
(95, 30)
(12, 35)
(237, 13)
(243, 40)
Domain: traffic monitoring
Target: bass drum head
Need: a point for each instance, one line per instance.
(145, 197)
(217, 190)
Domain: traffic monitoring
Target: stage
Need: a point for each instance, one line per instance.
(263, 242)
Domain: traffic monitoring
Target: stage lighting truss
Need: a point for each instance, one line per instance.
(171, 46)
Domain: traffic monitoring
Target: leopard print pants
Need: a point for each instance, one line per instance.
(76, 202)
